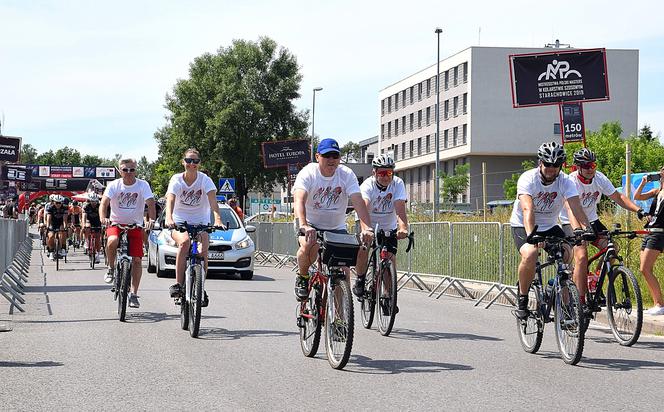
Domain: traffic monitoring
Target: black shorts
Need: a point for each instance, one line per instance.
(653, 241)
(595, 224)
(391, 244)
(519, 234)
(339, 231)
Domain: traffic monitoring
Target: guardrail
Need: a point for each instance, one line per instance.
(478, 260)
(15, 251)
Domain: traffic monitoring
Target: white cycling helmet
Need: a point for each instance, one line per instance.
(93, 197)
(551, 152)
(58, 198)
(383, 161)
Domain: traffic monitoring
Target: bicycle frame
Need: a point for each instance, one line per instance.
(192, 260)
(555, 257)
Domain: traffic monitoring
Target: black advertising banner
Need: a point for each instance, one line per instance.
(283, 153)
(560, 76)
(16, 173)
(571, 122)
(10, 148)
(34, 186)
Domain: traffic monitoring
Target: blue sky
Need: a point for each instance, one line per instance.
(93, 75)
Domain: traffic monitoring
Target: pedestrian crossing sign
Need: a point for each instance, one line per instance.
(226, 185)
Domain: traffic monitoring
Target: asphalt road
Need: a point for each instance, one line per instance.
(69, 351)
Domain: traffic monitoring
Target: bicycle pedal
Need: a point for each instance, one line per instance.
(300, 322)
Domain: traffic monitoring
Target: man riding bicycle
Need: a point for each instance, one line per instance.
(92, 224)
(56, 218)
(127, 197)
(541, 195)
(385, 197)
(591, 185)
(321, 193)
(75, 220)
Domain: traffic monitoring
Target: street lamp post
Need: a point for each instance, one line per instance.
(436, 182)
(313, 121)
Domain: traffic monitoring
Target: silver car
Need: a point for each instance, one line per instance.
(231, 251)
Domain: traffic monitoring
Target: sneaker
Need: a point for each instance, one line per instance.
(301, 287)
(358, 287)
(522, 311)
(133, 301)
(656, 310)
(97, 258)
(175, 290)
(206, 300)
(52, 256)
(63, 253)
(109, 277)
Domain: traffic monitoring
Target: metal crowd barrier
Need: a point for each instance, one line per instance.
(15, 252)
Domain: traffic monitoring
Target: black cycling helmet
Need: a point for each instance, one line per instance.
(383, 161)
(74, 203)
(551, 152)
(584, 156)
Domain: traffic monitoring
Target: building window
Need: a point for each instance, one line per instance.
(403, 150)
(419, 119)
(446, 110)
(412, 94)
(465, 103)
(447, 138)
(396, 152)
(382, 131)
(403, 99)
(456, 106)
(428, 115)
(428, 87)
(382, 107)
(465, 72)
(396, 127)
(410, 152)
(447, 79)
(389, 104)
(396, 102)
(419, 91)
(419, 146)
(556, 128)
(403, 125)
(455, 135)
(465, 134)
(412, 121)
(427, 149)
(389, 129)
(456, 76)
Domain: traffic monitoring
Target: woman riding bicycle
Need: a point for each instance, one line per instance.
(189, 198)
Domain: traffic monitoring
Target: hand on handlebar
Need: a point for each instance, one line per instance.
(367, 236)
(309, 233)
(643, 215)
(170, 223)
(402, 234)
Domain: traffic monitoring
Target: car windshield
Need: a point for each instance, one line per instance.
(228, 218)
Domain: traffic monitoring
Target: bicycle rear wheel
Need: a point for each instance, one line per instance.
(57, 251)
(92, 251)
(339, 323)
(386, 295)
(124, 283)
(184, 306)
(624, 306)
(368, 303)
(196, 299)
(568, 321)
(531, 330)
(310, 322)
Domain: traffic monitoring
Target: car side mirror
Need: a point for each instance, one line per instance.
(250, 228)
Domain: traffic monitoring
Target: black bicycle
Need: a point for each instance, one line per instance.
(58, 247)
(561, 296)
(122, 270)
(380, 287)
(622, 294)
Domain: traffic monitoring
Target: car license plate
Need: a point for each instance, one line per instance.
(216, 255)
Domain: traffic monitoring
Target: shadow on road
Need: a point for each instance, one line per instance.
(620, 364)
(607, 337)
(66, 288)
(397, 366)
(225, 334)
(411, 334)
(231, 276)
(42, 364)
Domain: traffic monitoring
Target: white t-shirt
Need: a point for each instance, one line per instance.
(128, 202)
(381, 203)
(590, 194)
(327, 197)
(548, 200)
(191, 202)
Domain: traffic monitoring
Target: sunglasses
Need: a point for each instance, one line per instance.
(385, 173)
(590, 165)
(332, 155)
(189, 160)
(129, 170)
(548, 164)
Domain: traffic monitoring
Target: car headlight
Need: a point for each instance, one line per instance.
(168, 239)
(244, 243)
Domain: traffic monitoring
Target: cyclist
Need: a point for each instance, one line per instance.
(591, 185)
(189, 198)
(75, 221)
(92, 224)
(385, 197)
(41, 220)
(56, 218)
(321, 194)
(653, 244)
(159, 206)
(541, 194)
(127, 197)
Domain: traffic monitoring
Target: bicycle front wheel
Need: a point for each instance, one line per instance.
(568, 321)
(57, 252)
(310, 322)
(386, 295)
(195, 301)
(339, 323)
(124, 282)
(531, 329)
(624, 306)
(368, 303)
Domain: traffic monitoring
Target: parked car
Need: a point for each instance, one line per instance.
(231, 251)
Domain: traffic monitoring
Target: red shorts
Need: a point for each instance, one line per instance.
(135, 237)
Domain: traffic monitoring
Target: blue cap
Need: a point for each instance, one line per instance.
(328, 145)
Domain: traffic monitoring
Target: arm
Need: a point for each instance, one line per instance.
(48, 220)
(363, 213)
(402, 219)
(624, 202)
(526, 202)
(103, 207)
(152, 212)
(170, 202)
(300, 197)
(572, 219)
(577, 211)
(647, 195)
(212, 198)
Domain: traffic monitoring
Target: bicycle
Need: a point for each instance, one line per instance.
(123, 265)
(330, 300)
(562, 296)
(92, 245)
(58, 247)
(380, 288)
(194, 286)
(624, 306)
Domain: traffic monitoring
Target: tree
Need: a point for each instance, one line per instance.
(232, 101)
(351, 152)
(455, 184)
(145, 169)
(28, 154)
(509, 185)
(92, 160)
(46, 158)
(646, 133)
(67, 157)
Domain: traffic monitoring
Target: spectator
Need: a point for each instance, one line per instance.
(232, 202)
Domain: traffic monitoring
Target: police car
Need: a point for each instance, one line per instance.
(231, 251)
